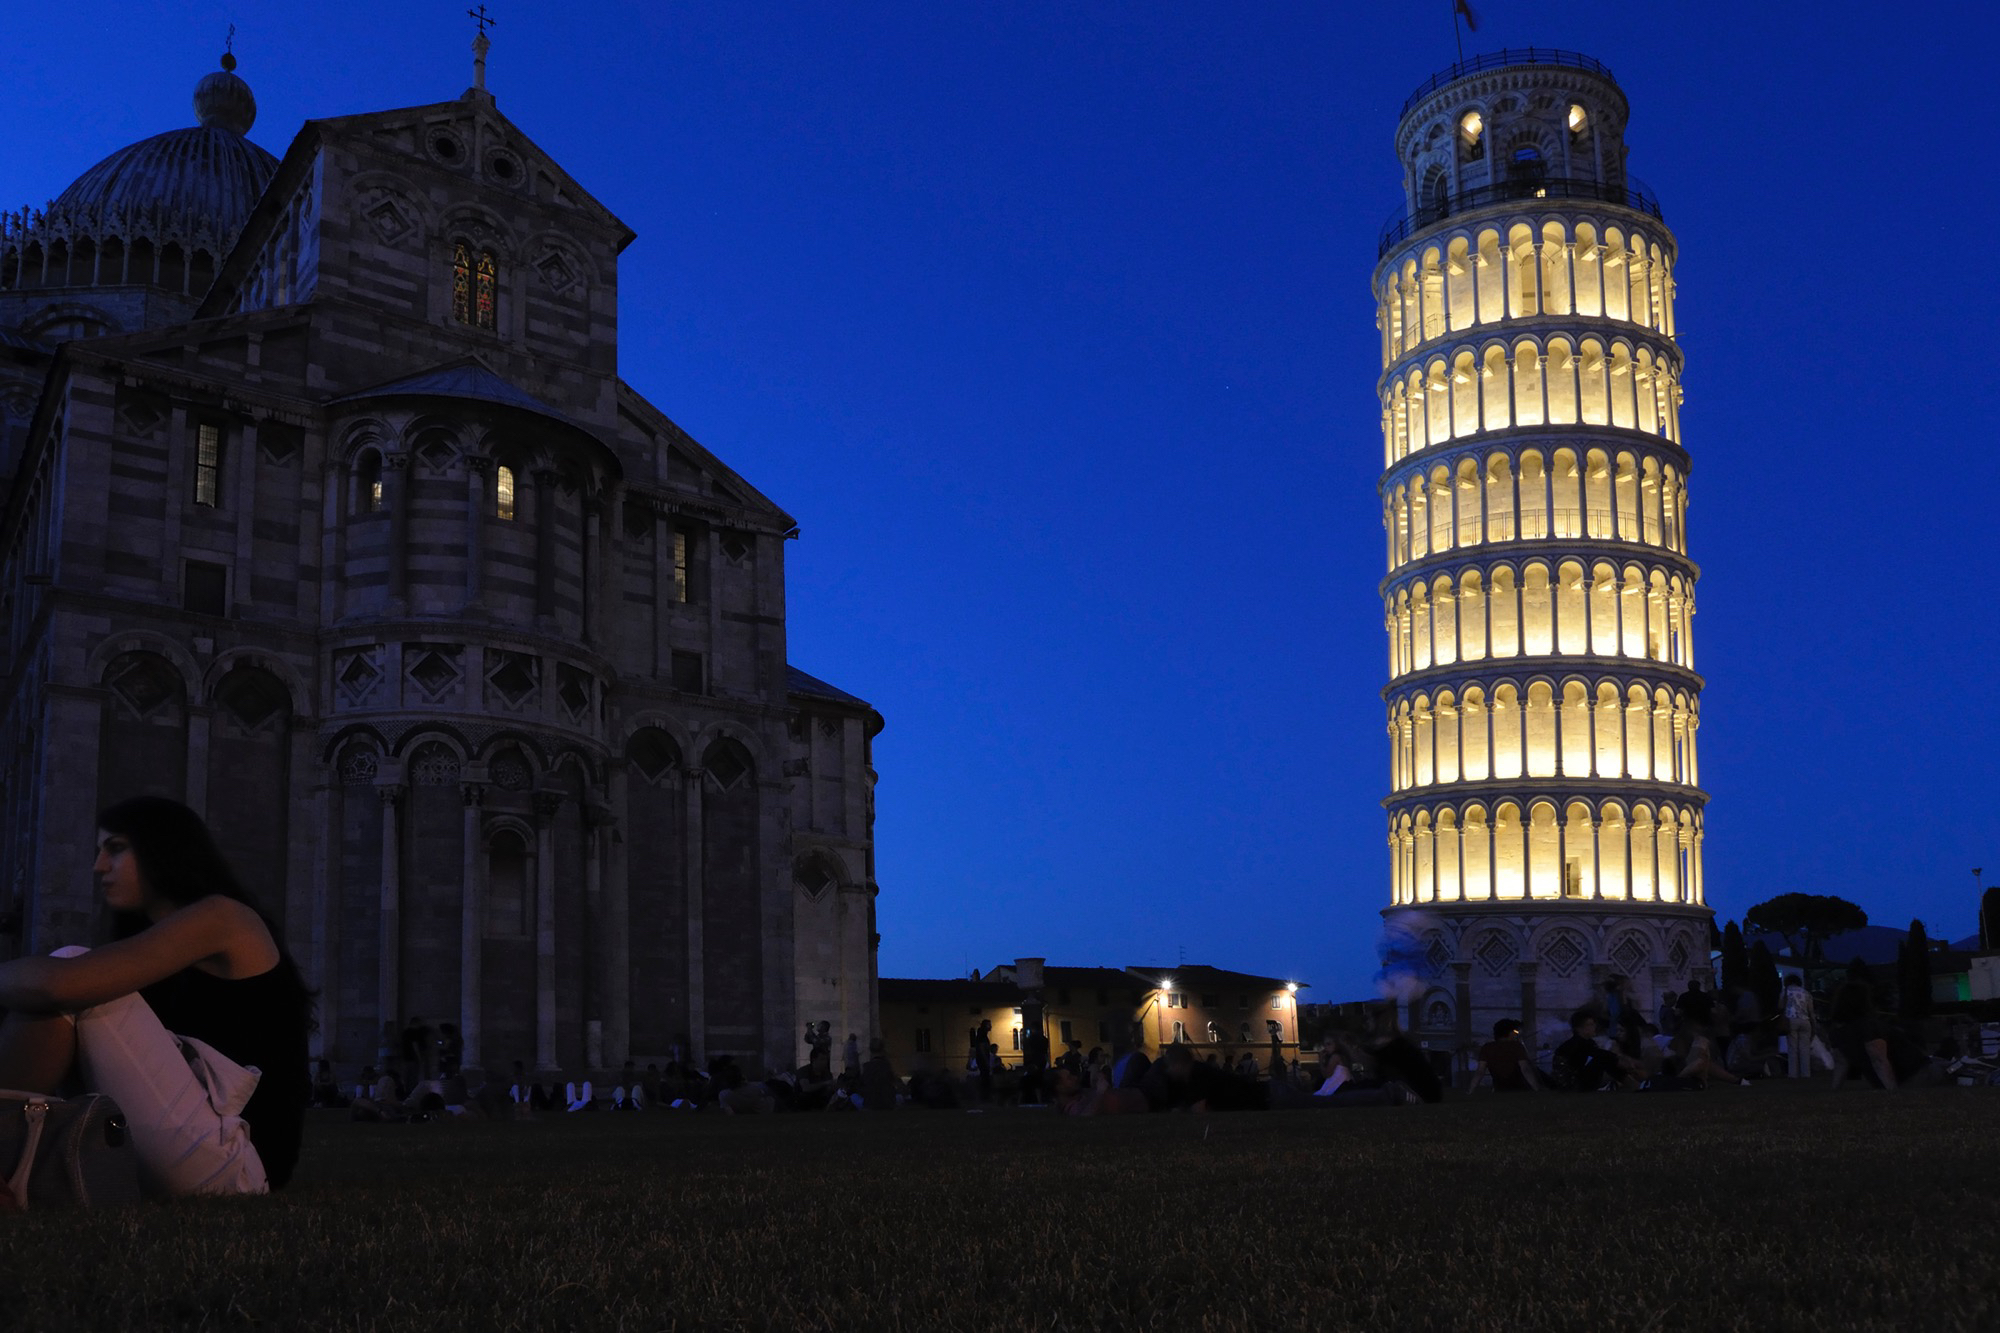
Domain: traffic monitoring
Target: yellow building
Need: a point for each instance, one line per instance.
(927, 1023)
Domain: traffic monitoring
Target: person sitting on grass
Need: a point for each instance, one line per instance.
(1179, 1082)
(196, 980)
(1072, 1097)
(1866, 1041)
(1587, 1066)
(326, 1092)
(1504, 1062)
(579, 1096)
(878, 1079)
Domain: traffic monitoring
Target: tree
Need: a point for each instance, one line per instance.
(1735, 962)
(1913, 973)
(1805, 921)
(1764, 977)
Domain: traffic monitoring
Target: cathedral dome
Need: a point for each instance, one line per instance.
(194, 185)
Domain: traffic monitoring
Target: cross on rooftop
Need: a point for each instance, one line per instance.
(482, 18)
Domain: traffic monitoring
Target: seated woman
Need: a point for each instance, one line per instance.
(174, 1019)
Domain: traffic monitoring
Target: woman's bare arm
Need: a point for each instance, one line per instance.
(214, 930)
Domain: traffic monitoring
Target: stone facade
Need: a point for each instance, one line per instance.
(474, 660)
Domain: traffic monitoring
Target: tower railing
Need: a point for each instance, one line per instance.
(1524, 55)
(1632, 194)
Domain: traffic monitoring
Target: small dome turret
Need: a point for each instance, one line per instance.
(223, 101)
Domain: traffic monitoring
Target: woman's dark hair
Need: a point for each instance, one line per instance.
(178, 857)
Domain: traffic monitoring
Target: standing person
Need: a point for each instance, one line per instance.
(1798, 1008)
(850, 1056)
(450, 1049)
(196, 979)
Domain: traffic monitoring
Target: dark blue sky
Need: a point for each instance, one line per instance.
(1051, 324)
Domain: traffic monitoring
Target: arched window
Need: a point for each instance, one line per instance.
(503, 492)
(475, 287)
(461, 283)
(485, 293)
(367, 483)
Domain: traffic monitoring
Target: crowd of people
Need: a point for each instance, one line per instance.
(1692, 1040)
(1699, 1038)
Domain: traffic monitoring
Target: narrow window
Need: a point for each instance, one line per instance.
(686, 668)
(923, 1041)
(503, 492)
(1067, 1035)
(208, 464)
(461, 283)
(1180, 1032)
(204, 587)
(368, 484)
(1104, 1029)
(483, 304)
(680, 565)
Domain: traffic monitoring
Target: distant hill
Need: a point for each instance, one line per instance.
(1871, 944)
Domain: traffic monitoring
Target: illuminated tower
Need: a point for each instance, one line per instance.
(1545, 817)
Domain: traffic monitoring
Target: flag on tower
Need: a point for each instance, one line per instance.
(1463, 9)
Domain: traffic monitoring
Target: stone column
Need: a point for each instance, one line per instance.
(697, 1008)
(389, 933)
(324, 951)
(591, 554)
(396, 488)
(617, 921)
(1462, 992)
(475, 528)
(594, 931)
(1527, 973)
(547, 804)
(472, 927)
(545, 544)
(197, 757)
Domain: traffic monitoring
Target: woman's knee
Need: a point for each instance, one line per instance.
(70, 951)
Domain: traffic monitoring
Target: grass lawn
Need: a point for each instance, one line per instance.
(1772, 1207)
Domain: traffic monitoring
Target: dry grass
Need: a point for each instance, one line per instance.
(1771, 1208)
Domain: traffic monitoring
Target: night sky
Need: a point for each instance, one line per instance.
(1051, 325)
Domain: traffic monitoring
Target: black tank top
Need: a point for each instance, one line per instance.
(258, 1021)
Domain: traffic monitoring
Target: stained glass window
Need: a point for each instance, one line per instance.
(488, 281)
(503, 490)
(461, 284)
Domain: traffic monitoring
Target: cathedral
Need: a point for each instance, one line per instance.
(324, 509)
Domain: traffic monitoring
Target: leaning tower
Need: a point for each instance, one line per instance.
(1545, 813)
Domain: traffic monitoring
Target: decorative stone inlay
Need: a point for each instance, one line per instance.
(1563, 953)
(1437, 955)
(510, 771)
(435, 669)
(1495, 953)
(252, 698)
(143, 683)
(653, 755)
(573, 688)
(356, 672)
(1678, 953)
(557, 271)
(726, 765)
(434, 766)
(514, 676)
(1630, 955)
(814, 880)
(357, 767)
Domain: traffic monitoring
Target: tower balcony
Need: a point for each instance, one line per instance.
(1506, 59)
(1633, 194)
